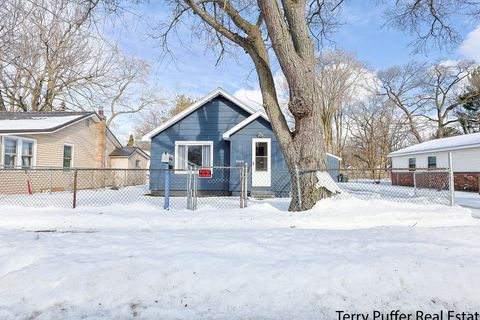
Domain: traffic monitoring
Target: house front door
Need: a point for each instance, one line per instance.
(261, 162)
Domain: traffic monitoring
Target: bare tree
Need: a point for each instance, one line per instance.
(403, 87)
(50, 53)
(433, 22)
(376, 130)
(128, 90)
(443, 91)
(340, 76)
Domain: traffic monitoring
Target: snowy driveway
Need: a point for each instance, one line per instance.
(135, 261)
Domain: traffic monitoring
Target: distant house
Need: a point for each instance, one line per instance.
(219, 130)
(465, 151)
(63, 140)
(129, 158)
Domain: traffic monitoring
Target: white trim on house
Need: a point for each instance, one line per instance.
(240, 125)
(19, 140)
(467, 141)
(195, 106)
(191, 143)
(334, 156)
(262, 178)
(72, 161)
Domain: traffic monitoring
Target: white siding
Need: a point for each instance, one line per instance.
(467, 160)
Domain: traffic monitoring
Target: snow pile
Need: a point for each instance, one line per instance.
(137, 261)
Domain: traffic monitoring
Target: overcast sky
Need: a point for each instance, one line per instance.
(193, 70)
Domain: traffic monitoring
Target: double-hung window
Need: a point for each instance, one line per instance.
(412, 163)
(67, 156)
(18, 152)
(432, 162)
(193, 153)
(10, 153)
(27, 154)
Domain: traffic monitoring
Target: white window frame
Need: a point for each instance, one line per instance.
(19, 140)
(72, 165)
(192, 143)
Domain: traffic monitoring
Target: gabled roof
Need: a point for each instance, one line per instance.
(45, 122)
(240, 125)
(466, 141)
(195, 106)
(127, 152)
(39, 122)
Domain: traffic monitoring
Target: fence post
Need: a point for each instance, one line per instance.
(194, 197)
(74, 188)
(189, 189)
(451, 181)
(245, 189)
(299, 194)
(242, 185)
(415, 182)
(166, 198)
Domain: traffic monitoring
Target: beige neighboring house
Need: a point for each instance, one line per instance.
(61, 140)
(129, 158)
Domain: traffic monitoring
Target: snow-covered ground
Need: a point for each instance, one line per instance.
(137, 261)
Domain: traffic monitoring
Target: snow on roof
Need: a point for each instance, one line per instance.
(37, 122)
(466, 141)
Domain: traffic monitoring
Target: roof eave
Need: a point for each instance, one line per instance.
(241, 124)
(471, 146)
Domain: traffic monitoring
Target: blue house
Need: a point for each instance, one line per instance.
(222, 132)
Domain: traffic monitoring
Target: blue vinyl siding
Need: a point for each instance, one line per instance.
(209, 123)
(241, 149)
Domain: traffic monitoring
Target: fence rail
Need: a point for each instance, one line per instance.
(227, 187)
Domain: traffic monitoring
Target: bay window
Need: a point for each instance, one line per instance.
(193, 153)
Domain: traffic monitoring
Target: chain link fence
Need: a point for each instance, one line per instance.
(164, 188)
(423, 186)
(211, 187)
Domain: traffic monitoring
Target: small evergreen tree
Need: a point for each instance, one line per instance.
(131, 141)
(469, 113)
(182, 102)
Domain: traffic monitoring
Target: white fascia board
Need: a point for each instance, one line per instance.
(334, 156)
(195, 106)
(401, 154)
(240, 125)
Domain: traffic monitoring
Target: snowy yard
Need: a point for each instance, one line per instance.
(137, 261)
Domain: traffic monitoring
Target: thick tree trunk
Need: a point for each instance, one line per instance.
(295, 52)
